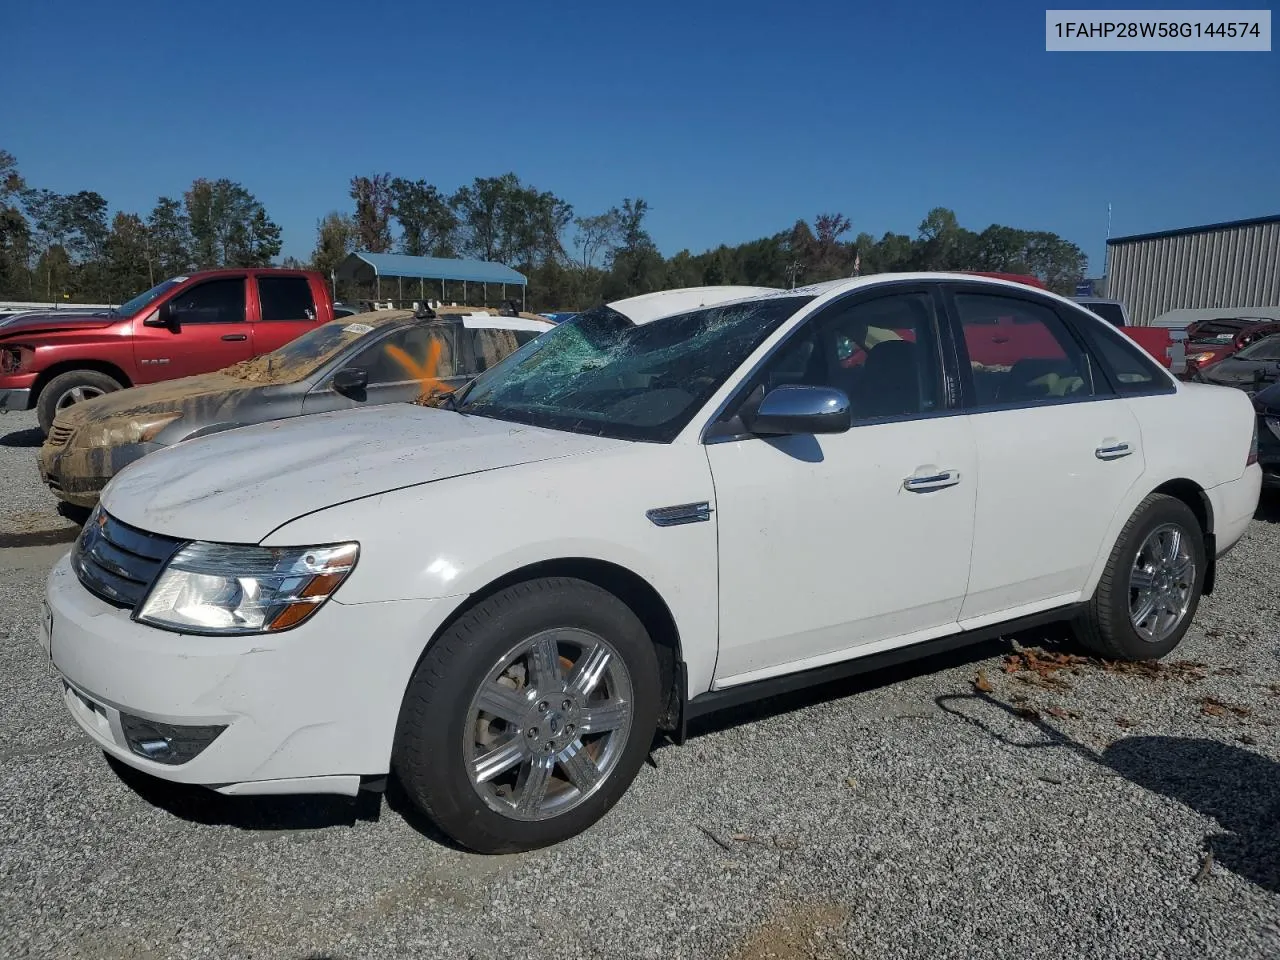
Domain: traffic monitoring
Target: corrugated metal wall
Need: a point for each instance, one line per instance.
(1232, 267)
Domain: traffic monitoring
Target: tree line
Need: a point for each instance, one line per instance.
(62, 246)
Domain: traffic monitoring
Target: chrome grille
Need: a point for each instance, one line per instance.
(60, 434)
(118, 562)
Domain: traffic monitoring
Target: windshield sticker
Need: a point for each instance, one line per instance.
(356, 328)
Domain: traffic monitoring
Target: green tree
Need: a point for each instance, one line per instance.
(335, 238)
(427, 222)
(597, 236)
(229, 226)
(15, 233)
(128, 258)
(169, 241)
(374, 207)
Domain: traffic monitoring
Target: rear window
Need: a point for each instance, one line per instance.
(1110, 312)
(286, 298)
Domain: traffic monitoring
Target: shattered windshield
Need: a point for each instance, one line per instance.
(602, 374)
(300, 358)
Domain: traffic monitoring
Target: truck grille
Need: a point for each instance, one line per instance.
(60, 434)
(118, 562)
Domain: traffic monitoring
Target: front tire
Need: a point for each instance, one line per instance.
(1151, 586)
(529, 717)
(70, 388)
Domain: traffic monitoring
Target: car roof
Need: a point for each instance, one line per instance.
(652, 306)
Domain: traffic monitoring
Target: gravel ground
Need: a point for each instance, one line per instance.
(1061, 812)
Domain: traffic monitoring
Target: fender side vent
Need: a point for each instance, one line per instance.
(679, 514)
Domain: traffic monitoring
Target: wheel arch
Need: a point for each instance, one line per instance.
(640, 596)
(68, 366)
(1197, 501)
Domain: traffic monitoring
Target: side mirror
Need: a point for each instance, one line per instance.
(165, 316)
(800, 409)
(351, 382)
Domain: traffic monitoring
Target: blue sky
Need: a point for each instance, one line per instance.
(731, 120)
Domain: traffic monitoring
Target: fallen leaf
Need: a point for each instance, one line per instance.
(851, 783)
(1053, 780)
(1213, 707)
(1125, 722)
(1247, 740)
(1061, 714)
(1228, 672)
(981, 683)
(1027, 713)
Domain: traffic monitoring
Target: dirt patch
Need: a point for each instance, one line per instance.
(796, 932)
(1053, 669)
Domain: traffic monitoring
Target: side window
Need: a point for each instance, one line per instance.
(490, 346)
(286, 298)
(882, 353)
(416, 353)
(1132, 369)
(215, 301)
(1021, 352)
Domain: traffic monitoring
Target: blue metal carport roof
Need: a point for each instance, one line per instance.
(364, 267)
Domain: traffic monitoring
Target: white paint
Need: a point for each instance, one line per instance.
(485, 321)
(814, 553)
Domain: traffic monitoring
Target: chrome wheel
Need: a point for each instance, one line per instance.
(1161, 582)
(77, 394)
(548, 724)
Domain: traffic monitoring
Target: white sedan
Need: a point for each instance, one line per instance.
(662, 506)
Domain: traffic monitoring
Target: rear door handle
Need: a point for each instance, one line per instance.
(235, 336)
(924, 482)
(1113, 451)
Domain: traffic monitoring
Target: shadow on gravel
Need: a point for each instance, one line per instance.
(38, 538)
(31, 437)
(1048, 636)
(1236, 787)
(204, 806)
(1268, 507)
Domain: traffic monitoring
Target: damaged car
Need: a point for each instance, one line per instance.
(663, 507)
(368, 359)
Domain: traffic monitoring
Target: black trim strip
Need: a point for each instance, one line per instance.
(714, 700)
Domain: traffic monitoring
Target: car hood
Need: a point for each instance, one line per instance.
(55, 320)
(238, 486)
(1237, 373)
(200, 395)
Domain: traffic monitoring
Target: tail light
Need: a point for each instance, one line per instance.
(1253, 446)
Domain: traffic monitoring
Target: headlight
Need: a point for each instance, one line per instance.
(226, 589)
(135, 430)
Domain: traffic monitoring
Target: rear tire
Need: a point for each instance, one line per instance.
(500, 702)
(70, 388)
(1151, 586)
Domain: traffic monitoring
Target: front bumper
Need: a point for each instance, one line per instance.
(19, 399)
(78, 474)
(309, 710)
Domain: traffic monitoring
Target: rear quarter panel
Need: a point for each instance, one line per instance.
(1200, 433)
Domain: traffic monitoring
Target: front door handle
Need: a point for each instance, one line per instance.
(235, 336)
(924, 482)
(1113, 451)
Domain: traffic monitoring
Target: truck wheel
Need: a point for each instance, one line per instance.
(1151, 586)
(529, 717)
(70, 388)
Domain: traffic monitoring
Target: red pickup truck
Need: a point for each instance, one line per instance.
(191, 324)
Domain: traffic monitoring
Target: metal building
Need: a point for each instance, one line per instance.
(1234, 266)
